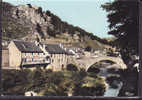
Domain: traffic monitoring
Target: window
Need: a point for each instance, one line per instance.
(52, 60)
(25, 60)
(32, 59)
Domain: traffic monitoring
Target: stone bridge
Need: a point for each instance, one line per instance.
(86, 62)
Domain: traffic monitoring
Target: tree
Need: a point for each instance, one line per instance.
(14, 82)
(39, 30)
(72, 67)
(123, 24)
(94, 70)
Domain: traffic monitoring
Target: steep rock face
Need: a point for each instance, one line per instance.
(29, 22)
(13, 27)
(23, 20)
(40, 21)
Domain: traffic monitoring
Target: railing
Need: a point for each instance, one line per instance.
(34, 63)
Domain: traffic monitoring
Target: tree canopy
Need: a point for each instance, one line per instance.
(48, 83)
(123, 24)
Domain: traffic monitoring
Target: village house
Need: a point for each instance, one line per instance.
(26, 54)
(75, 51)
(59, 58)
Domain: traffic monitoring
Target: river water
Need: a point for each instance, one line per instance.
(111, 92)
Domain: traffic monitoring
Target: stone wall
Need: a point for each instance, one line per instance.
(5, 58)
(14, 56)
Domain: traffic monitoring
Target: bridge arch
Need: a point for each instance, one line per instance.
(95, 67)
(112, 60)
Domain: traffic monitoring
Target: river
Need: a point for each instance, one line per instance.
(111, 92)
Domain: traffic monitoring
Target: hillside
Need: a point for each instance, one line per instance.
(31, 23)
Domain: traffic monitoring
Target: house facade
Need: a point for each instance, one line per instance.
(59, 58)
(26, 54)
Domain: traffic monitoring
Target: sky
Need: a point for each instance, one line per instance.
(86, 14)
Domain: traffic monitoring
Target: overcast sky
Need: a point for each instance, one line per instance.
(86, 14)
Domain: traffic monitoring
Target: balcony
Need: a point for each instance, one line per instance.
(40, 62)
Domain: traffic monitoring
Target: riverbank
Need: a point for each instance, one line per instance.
(130, 83)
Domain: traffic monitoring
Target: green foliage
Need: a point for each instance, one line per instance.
(39, 11)
(123, 24)
(111, 80)
(39, 30)
(71, 67)
(94, 70)
(16, 28)
(48, 83)
(62, 27)
(15, 81)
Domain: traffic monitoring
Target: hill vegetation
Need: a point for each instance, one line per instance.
(30, 22)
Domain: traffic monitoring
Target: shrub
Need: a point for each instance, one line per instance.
(93, 70)
(112, 80)
(50, 83)
(72, 67)
(15, 81)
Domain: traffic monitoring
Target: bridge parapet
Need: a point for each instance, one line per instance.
(87, 62)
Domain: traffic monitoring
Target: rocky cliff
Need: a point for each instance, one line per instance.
(29, 22)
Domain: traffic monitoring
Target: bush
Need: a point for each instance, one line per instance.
(49, 71)
(48, 83)
(112, 80)
(89, 86)
(93, 70)
(15, 81)
(72, 67)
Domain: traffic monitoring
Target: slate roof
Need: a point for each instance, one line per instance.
(27, 47)
(54, 49)
(69, 53)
